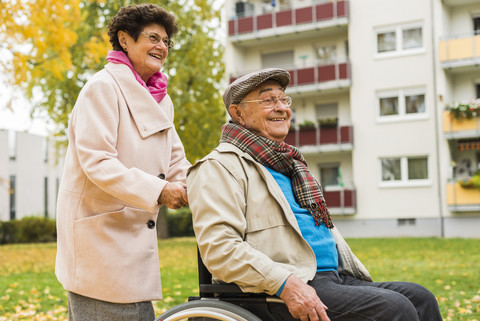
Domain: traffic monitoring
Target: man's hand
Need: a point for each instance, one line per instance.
(302, 301)
(174, 195)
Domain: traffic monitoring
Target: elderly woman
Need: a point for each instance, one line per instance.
(123, 162)
(261, 220)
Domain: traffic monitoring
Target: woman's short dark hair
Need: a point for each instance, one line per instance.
(134, 18)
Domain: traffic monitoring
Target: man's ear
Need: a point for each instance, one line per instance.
(236, 114)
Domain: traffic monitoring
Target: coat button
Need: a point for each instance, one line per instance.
(161, 176)
(151, 224)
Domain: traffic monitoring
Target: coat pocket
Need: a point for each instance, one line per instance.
(117, 255)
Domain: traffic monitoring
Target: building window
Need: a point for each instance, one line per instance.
(399, 104)
(404, 169)
(477, 88)
(476, 25)
(45, 195)
(326, 53)
(326, 111)
(329, 174)
(278, 59)
(399, 39)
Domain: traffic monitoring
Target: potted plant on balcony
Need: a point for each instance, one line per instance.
(328, 122)
(307, 125)
(471, 182)
(463, 110)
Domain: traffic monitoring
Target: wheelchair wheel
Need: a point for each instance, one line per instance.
(207, 310)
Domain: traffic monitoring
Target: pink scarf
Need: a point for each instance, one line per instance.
(156, 85)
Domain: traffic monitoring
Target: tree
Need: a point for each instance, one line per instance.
(58, 47)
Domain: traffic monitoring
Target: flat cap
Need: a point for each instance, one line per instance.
(238, 89)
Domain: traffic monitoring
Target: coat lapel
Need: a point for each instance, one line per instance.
(150, 117)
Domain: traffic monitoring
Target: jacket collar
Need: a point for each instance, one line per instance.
(150, 117)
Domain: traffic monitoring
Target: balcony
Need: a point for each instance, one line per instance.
(460, 199)
(340, 201)
(319, 140)
(325, 18)
(330, 77)
(458, 2)
(459, 53)
(458, 129)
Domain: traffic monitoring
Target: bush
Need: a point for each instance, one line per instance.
(179, 222)
(28, 230)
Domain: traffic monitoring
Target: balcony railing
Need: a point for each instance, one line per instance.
(341, 137)
(463, 128)
(340, 201)
(460, 199)
(319, 77)
(460, 50)
(289, 17)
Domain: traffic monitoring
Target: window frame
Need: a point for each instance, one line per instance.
(404, 180)
(398, 31)
(401, 95)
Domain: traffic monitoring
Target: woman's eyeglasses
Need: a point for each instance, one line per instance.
(155, 38)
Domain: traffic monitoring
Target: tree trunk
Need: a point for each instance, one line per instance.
(162, 227)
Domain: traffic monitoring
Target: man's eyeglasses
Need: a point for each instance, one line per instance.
(271, 102)
(155, 38)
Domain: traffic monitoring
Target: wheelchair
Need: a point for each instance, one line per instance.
(222, 302)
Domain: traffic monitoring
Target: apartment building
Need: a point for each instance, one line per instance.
(29, 176)
(370, 82)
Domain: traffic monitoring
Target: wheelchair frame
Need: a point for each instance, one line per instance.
(224, 302)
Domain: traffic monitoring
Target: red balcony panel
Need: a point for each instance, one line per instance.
(265, 21)
(304, 15)
(346, 134)
(344, 71)
(290, 139)
(329, 135)
(324, 11)
(284, 18)
(245, 25)
(326, 73)
(349, 200)
(341, 8)
(306, 76)
(307, 137)
(334, 198)
(231, 27)
(293, 80)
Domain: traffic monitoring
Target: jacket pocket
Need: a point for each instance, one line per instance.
(114, 252)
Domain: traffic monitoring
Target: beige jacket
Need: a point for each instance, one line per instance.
(245, 228)
(123, 148)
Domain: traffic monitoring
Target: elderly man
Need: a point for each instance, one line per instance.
(261, 220)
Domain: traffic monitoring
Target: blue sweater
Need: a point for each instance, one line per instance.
(317, 236)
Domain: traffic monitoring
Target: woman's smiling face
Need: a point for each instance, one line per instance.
(272, 123)
(146, 57)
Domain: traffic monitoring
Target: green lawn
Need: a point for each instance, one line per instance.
(450, 268)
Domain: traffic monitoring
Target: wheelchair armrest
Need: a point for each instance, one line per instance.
(227, 288)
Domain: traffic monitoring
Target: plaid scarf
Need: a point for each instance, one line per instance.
(285, 159)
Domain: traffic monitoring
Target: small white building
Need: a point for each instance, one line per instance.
(373, 78)
(29, 176)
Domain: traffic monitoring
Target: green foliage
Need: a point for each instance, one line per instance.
(471, 182)
(307, 124)
(180, 222)
(63, 44)
(464, 110)
(28, 230)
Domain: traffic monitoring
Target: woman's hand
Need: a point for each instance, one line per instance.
(174, 195)
(302, 301)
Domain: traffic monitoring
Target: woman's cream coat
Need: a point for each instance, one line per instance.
(246, 231)
(123, 148)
